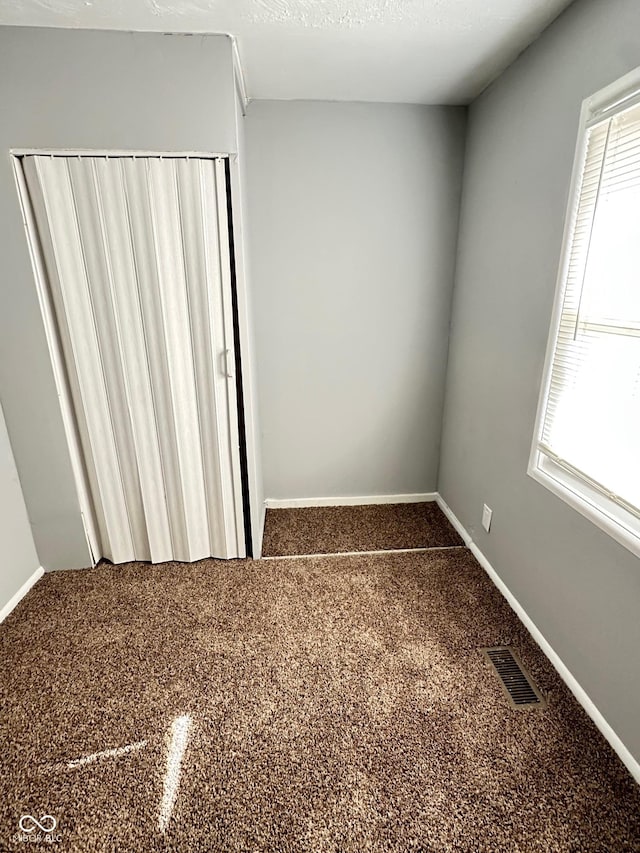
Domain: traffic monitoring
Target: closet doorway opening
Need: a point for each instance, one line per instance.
(133, 257)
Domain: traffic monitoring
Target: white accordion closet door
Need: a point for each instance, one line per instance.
(136, 252)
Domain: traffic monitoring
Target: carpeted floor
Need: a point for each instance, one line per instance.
(321, 704)
(336, 529)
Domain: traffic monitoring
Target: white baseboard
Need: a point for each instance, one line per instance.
(632, 765)
(257, 546)
(20, 594)
(286, 503)
(446, 509)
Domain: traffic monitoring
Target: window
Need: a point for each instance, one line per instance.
(586, 445)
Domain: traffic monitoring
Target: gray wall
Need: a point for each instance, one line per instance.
(84, 89)
(19, 558)
(354, 213)
(580, 587)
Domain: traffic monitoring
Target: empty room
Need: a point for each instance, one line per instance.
(320, 426)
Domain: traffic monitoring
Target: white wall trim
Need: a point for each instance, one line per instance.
(601, 510)
(257, 545)
(118, 152)
(632, 765)
(246, 343)
(361, 500)
(20, 594)
(238, 74)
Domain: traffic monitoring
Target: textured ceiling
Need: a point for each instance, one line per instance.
(413, 51)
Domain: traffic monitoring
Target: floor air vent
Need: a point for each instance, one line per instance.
(517, 684)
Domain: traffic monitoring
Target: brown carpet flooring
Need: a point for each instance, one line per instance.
(332, 704)
(335, 529)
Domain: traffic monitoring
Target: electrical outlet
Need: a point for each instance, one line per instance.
(486, 517)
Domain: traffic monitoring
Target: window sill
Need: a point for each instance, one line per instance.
(605, 514)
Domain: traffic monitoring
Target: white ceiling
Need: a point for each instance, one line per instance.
(406, 51)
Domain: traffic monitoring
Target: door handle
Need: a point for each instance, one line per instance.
(225, 364)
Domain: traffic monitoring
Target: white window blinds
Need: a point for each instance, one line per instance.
(591, 418)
